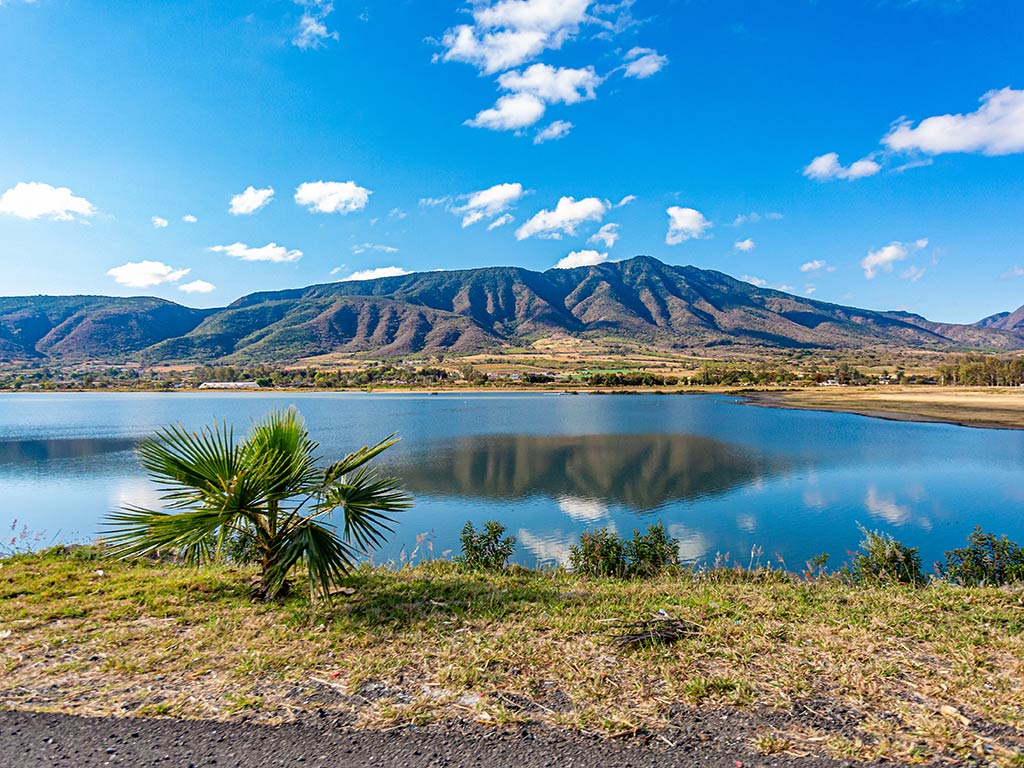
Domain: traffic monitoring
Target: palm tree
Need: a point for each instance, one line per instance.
(268, 493)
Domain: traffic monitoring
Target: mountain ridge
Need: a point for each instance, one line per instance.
(641, 300)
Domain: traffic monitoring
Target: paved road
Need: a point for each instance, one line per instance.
(31, 740)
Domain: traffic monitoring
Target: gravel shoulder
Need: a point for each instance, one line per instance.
(34, 740)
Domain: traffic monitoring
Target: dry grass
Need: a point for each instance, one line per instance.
(981, 407)
(931, 674)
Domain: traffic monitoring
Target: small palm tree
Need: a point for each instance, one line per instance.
(269, 494)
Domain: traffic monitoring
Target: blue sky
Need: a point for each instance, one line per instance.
(441, 134)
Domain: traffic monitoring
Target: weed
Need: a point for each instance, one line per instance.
(486, 550)
(883, 560)
(987, 560)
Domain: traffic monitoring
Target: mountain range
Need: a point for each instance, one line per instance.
(639, 300)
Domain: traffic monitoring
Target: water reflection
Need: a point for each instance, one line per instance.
(34, 452)
(587, 473)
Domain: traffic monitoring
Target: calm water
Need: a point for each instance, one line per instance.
(723, 476)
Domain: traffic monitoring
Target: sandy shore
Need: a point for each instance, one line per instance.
(989, 408)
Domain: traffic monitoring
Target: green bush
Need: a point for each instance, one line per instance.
(604, 553)
(650, 553)
(883, 560)
(987, 560)
(601, 553)
(486, 550)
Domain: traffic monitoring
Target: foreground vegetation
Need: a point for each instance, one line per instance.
(865, 672)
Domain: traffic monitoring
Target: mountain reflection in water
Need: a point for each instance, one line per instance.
(23, 452)
(638, 471)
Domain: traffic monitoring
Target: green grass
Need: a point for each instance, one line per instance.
(435, 642)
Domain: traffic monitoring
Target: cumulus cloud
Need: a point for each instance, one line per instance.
(488, 203)
(685, 224)
(564, 219)
(553, 132)
(827, 167)
(587, 258)
(553, 84)
(745, 245)
(374, 274)
(501, 221)
(251, 200)
(884, 258)
(508, 33)
(197, 286)
(159, 222)
(188, 218)
(644, 62)
(143, 274)
(995, 128)
(754, 281)
(269, 252)
(364, 247)
(35, 200)
(313, 32)
(813, 266)
(510, 113)
(606, 235)
(342, 197)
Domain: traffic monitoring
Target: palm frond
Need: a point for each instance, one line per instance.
(190, 465)
(359, 458)
(326, 556)
(280, 449)
(135, 532)
(367, 502)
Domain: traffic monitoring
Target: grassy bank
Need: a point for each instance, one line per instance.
(888, 672)
(993, 407)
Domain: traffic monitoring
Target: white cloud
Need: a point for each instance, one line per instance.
(510, 113)
(197, 286)
(810, 290)
(606, 235)
(813, 266)
(251, 200)
(364, 247)
(313, 32)
(488, 203)
(685, 224)
(553, 85)
(564, 219)
(745, 245)
(159, 222)
(35, 200)
(582, 259)
(397, 213)
(142, 274)
(507, 33)
(269, 252)
(913, 273)
(883, 259)
(501, 221)
(644, 62)
(342, 197)
(754, 217)
(754, 281)
(995, 128)
(827, 166)
(374, 274)
(188, 218)
(625, 201)
(1015, 271)
(553, 132)
(433, 202)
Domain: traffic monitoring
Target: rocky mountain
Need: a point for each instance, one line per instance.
(1005, 321)
(640, 300)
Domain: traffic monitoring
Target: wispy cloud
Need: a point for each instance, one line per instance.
(312, 32)
(488, 203)
(364, 247)
(269, 252)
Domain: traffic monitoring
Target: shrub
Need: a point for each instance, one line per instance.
(986, 560)
(604, 553)
(486, 550)
(601, 553)
(883, 560)
(650, 553)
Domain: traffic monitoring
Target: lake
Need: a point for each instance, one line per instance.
(723, 476)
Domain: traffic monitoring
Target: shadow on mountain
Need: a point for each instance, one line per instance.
(638, 471)
(22, 452)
